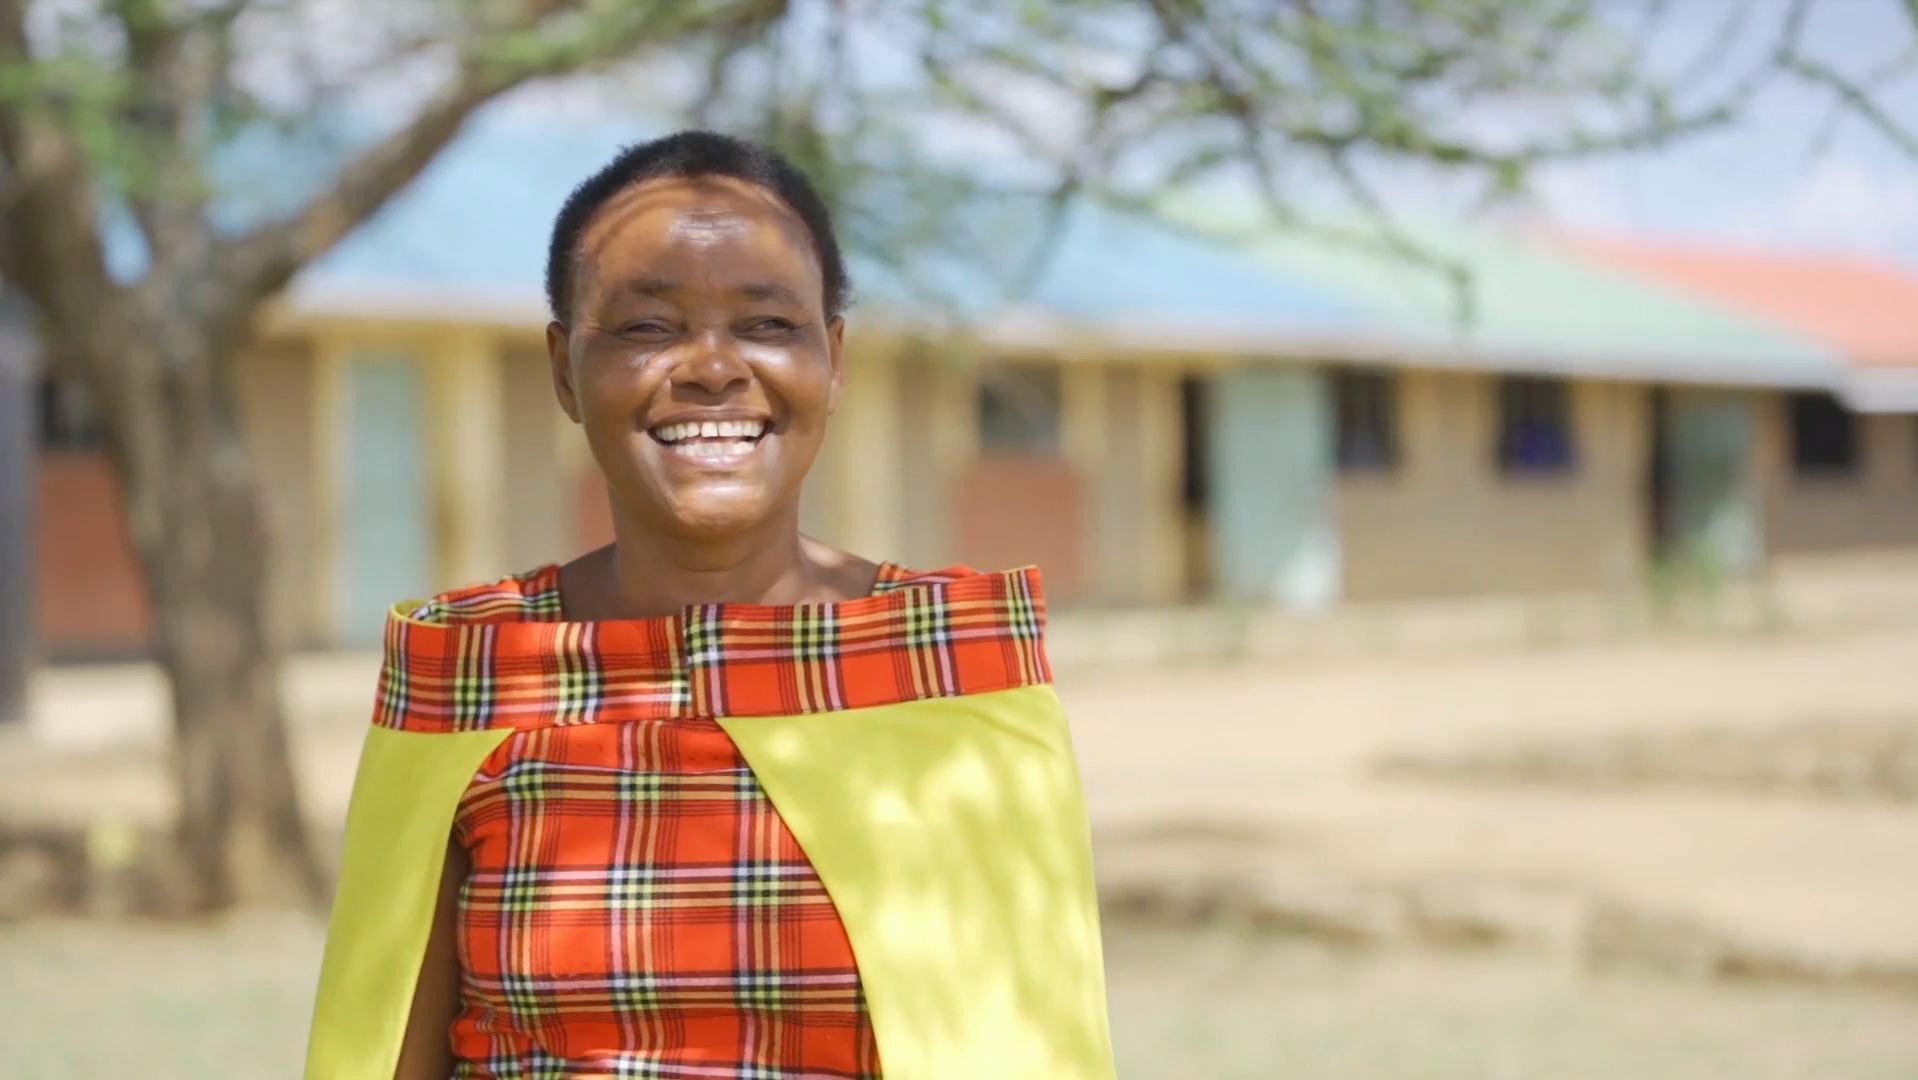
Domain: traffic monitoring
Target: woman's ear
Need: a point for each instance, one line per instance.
(560, 360)
(835, 348)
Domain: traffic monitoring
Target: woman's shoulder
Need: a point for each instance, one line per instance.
(533, 596)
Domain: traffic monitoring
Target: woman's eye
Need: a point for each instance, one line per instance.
(771, 326)
(645, 326)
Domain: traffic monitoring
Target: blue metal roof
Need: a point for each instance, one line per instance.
(470, 234)
(479, 216)
(1110, 263)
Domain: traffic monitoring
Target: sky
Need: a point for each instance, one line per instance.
(1779, 179)
(1770, 181)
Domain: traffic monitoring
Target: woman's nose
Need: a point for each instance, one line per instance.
(712, 363)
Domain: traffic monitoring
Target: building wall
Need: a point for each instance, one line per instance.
(1025, 511)
(1445, 521)
(88, 599)
(537, 508)
(925, 485)
(1874, 509)
(1026, 496)
(276, 418)
(819, 498)
(1124, 505)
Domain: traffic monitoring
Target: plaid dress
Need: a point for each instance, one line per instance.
(636, 907)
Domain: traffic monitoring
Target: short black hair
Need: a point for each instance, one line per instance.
(689, 155)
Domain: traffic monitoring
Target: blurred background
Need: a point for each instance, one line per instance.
(1471, 448)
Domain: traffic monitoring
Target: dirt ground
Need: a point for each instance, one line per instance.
(1675, 926)
(1288, 765)
(78, 1003)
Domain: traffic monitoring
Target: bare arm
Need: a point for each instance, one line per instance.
(426, 1052)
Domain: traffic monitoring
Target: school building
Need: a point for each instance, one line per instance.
(1159, 420)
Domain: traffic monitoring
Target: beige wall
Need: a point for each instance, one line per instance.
(1873, 509)
(925, 487)
(1445, 521)
(1137, 516)
(539, 512)
(1122, 503)
(277, 420)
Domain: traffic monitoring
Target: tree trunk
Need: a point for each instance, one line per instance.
(199, 528)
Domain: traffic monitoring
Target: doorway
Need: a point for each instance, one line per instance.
(387, 554)
(1658, 468)
(1703, 514)
(1195, 424)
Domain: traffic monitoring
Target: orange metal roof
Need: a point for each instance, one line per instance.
(1864, 308)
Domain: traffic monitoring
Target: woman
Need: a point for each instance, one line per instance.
(716, 801)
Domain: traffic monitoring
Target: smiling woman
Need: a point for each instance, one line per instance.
(718, 800)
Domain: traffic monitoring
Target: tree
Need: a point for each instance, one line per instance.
(115, 116)
(118, 112)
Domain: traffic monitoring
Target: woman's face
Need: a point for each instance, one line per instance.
(699, 357)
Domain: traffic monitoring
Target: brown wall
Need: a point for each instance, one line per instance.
(1020, 511)
(88, 599)
(1872, 510)
(1445, 521)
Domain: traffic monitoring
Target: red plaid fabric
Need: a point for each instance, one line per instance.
(635, 905)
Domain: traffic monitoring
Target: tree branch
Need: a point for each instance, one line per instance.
(746, 30)
(1856, 98)
(564, 36)
(49, 225)
(1851, 96)
(261, 262)
(175, 65)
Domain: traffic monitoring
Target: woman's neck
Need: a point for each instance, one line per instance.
(644, 574)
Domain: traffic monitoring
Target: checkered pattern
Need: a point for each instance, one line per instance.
(636, 907)
(500, 656)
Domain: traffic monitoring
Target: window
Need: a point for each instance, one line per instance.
(1534, 425)
(65, 416)
(1019, 410)
(1365, 412)
(1824, 436)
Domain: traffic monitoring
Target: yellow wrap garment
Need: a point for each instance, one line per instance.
(910, 741)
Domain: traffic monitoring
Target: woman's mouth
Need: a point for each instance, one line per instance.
(711, 441)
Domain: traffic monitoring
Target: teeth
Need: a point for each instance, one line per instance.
(711, 429)
(717, 448)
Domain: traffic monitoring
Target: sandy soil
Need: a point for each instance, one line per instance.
(1263, 780)
(84, 1003)
(1287, 755)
